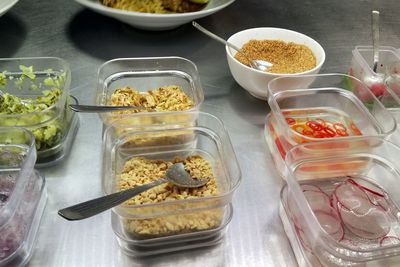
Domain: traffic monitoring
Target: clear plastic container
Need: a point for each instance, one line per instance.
(144, 75)
(36, 81)
(323, 110)
(349, 219)
(362, 63)
(177, 223)
(391, 98)
(385, 83)
(135, 247)
(22, 196)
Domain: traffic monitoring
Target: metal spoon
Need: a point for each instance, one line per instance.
(375, 38)
(99, 109)
(175, 174)
(255, 64)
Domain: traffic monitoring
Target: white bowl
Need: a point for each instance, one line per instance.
(256, 81)
(150, 21)
(5, 5)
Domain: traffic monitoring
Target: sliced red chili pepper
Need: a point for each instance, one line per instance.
(321, 121)
(365, 188)
(329, 132)
(298, 128)
(355, 129)
(290, 121)
(307, 132)
(342, 133)
(319, 135)
(339, 126)
(316, 126)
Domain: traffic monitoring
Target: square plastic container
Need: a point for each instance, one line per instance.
(145, 75)
(178, 223)
(362, 63)
(22, 196)
(323, 110)
(35, 82)
(346, 220)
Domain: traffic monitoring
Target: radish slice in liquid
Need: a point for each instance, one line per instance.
(310, 187)
(358, 213)
(330, 222)
(318, 200)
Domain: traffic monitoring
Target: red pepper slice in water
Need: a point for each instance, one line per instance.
(342, 133)
(339, 126)
(298, 128)
(316, 126)
(329, 132)
(290, 121)
(321, 121)
(307, 132)
(318, 135)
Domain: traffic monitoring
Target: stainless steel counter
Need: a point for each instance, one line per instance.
(85, 39)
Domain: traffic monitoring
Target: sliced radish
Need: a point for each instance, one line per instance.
(370, 225)
(374, 193)
(352, 197)
(358, 212)
(310, 187)
(378, 201)
(318, 200)
(330, 222)
(389, 241)
(368, 188)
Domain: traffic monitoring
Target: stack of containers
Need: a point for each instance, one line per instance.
(28, 83)
(165, 218)
(313, 108)
(349, 219)
(22, 196)
(339, 204)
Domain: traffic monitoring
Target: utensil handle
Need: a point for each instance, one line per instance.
(375, 38)
(215, 37)
(95, 206)
(97, 109)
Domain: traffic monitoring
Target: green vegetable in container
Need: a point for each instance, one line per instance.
(38, 114)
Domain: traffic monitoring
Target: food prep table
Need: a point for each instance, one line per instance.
(255, 236)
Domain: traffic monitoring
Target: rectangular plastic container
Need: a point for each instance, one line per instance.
(362, 63)
(182, 222)
(35, 81)
(22, 196)
(304, 112)
(149, 74)
(346, 220)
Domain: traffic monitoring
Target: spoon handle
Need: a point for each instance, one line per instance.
(375, 38)
(215, 37)
(92, 109)
(95, 206)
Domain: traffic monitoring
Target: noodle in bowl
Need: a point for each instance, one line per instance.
(155, 6)
(155, 21)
